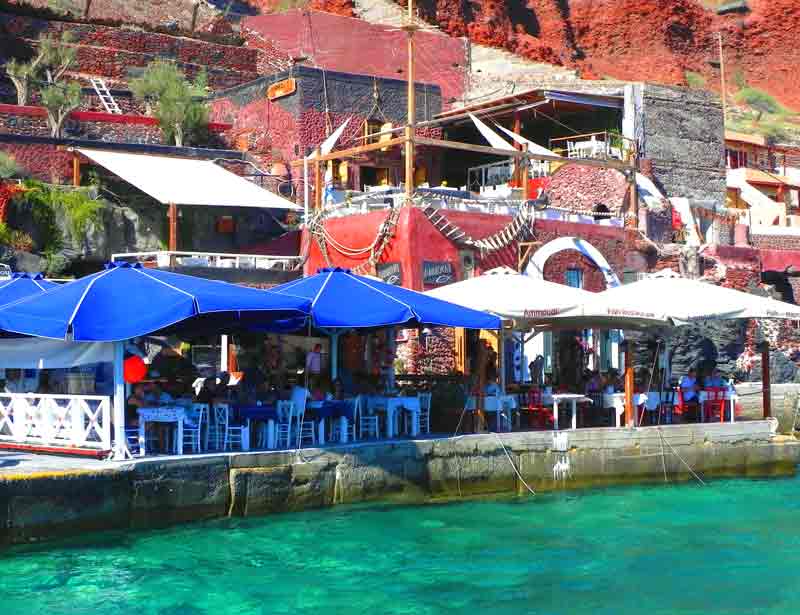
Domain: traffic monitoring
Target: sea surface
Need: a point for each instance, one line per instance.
(730, 547)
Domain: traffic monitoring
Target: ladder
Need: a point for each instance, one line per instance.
(108, 101)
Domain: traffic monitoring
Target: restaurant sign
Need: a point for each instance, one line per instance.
(391, 273)
(437, 274)
(281, 89)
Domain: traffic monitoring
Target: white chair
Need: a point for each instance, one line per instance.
(425, 412)
(283, 428)
(572, 150)
(368, 426)
(132, 440)
(193, 428)
(336, 432)
(227, 435)
(305, 430)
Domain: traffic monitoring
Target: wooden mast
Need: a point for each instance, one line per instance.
(412, 106)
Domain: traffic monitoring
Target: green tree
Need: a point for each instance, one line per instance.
(52, 59)
(60, 101)
(177, 103)
(9, 167)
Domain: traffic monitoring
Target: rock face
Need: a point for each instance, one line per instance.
(652, 40)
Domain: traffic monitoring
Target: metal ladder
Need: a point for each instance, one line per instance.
(108, 101)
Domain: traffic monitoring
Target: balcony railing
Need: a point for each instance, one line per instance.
(602, 145)
(213, 260)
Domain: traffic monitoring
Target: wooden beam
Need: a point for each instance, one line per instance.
(507, 153)
(630, 414)
(76, 168)
(353, 151)
(172, 216)
(317, 184)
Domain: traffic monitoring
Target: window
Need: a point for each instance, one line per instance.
(574, 278)
(371, 130)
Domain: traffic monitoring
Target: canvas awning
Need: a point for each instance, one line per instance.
(528, 301)
(186, 181)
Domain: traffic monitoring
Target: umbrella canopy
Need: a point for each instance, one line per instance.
(23, 285)
(125, 301)
(341, 299)
(678, 301)
(511, 295)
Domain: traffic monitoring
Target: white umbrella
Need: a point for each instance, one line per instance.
(511, 295)
(679, 301)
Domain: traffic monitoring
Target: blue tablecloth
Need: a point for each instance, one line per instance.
(332, 410)
(257, 413)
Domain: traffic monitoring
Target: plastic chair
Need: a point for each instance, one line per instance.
(539, 415)
(283, 428)
(425, 412)
(132, 440)
(193, 428)
(368, 426)
(336, 431)
(714, 403)
(666, 406)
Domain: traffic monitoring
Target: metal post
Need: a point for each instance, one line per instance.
(334, 356)
(223, 359)
(722, 80)
(501, 359)
(412, 106)
(120, 445)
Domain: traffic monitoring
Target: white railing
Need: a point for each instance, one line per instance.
(215, 260)
(64, 421)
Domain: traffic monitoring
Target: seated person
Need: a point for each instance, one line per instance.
(207, 391)
(609, 382)
(135, 401)
(14, 382)
(492, 388)
(318, 388)
(689, 388)
(595, 383)
(714, 380)
(338, 390)
(156, 395)
(45, 387)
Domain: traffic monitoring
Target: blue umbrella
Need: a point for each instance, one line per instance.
(23, 285)
(125, 301)
(343, 300)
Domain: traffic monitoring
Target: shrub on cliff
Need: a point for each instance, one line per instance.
(759, 100)
(52, 59)
(9, 167)
(177, 103)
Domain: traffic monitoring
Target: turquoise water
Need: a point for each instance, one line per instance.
(731, 547)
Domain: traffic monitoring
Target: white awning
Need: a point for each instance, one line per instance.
(185, 181)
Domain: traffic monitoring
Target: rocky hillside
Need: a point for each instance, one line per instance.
(666, 41)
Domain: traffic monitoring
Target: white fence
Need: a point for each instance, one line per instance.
(65, 421)
(214, 260)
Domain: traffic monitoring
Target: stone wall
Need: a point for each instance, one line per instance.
(116, 53)
(291, 127)
(45, 161)
(160, 492)
(683, 137)
(775, 242)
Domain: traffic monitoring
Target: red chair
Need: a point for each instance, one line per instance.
(539, 415)
(714, 403)
(682, 407)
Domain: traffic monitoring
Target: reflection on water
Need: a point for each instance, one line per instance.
(731, 547)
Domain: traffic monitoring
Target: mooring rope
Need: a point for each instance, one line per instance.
(683, 461)
(511, 461)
